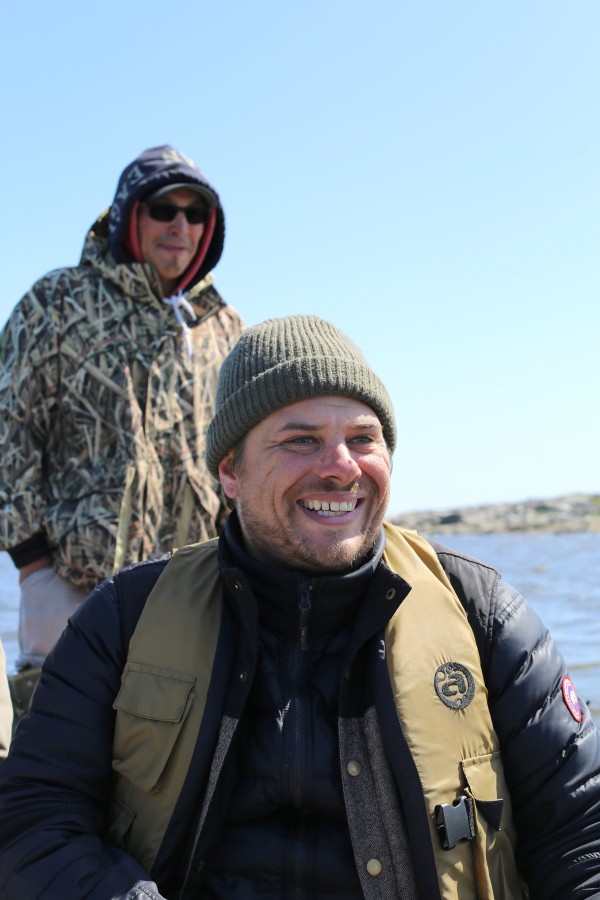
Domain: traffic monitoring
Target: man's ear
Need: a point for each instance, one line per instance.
(228, 478)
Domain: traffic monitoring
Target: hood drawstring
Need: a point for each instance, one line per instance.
(177, 302)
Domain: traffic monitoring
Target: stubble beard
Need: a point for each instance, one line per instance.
(285, 549)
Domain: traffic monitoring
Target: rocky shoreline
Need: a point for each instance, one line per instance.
(576, 512)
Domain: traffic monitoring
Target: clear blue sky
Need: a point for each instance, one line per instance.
(425, 175)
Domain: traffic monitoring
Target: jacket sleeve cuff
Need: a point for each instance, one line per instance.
(30, 550)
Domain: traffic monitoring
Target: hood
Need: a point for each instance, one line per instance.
(154, 169)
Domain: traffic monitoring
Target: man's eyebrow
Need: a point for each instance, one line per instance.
(362, 422)
(298, 426)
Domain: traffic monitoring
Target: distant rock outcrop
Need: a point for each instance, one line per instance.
(578, 512)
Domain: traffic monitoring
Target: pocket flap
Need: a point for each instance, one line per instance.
(152, 706)
(150, 692)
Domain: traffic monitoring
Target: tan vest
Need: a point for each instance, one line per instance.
(432, 660)
(455, 748)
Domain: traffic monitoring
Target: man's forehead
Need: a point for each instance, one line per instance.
(318, 411)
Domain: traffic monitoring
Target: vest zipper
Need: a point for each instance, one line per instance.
(299, 728)
(305, 608)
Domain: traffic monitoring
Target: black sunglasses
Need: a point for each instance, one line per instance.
(166, 212)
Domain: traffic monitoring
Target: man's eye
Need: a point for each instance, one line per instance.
(301, 439)
(361, 439)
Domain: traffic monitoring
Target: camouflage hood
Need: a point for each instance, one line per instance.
(134, 279)
(153, 169)
(141, 282)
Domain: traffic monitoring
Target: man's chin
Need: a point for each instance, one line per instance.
(345, 555)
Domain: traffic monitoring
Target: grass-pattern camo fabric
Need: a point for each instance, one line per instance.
(103, 415)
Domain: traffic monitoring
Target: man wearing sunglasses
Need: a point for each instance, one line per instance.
(108, 376)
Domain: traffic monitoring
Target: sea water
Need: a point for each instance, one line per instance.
(559, 574)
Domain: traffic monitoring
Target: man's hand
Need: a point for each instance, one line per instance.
(47, 601)
(143, 890)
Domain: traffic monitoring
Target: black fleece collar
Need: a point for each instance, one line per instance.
(334, 599)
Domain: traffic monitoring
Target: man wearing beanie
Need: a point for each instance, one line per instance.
(107, 380)
(316, 704)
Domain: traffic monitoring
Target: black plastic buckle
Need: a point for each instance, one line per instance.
(455, 822)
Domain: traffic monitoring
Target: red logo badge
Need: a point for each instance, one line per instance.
(570, 697)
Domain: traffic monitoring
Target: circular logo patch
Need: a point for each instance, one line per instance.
(454, 685)
(570, 697)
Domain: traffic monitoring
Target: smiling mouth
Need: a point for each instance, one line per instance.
(329, 507)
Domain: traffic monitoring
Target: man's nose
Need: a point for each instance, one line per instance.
(180, 223)
(336, 461)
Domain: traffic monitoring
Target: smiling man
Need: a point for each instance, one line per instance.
(107, 380)
(312, 484)
(317, 704)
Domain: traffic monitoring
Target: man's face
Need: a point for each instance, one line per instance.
(311, 485)
(170, 246)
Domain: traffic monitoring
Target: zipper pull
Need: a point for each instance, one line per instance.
(305, 607)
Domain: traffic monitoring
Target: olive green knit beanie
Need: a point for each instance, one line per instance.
(282, 361)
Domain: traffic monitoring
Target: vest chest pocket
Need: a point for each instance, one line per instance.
(153, 704)
(496, 873)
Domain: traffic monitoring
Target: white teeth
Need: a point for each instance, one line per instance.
(331, 508)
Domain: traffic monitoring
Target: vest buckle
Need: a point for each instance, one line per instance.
(455, 822)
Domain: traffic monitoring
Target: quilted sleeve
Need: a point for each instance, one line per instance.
(55, 783)
(551, 753)
(28, 383)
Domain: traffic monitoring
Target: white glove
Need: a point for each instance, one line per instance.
(143, 890)
(47, 601)
(6, 710)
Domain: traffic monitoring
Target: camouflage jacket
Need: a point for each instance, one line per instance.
(103, 414)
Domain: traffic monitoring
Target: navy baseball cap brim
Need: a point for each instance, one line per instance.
(207, 196)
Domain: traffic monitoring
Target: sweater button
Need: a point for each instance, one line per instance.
(390, 594)
(354, 767)
(243, 676)
(374, 867)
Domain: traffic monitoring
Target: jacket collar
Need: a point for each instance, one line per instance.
(334, 599)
